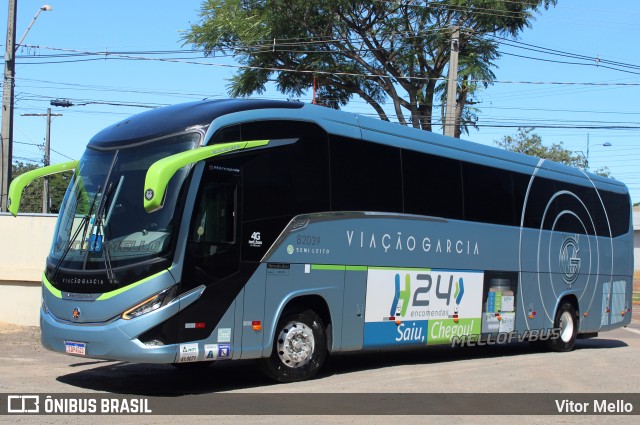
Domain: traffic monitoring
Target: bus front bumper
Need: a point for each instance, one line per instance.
(109, 341)
(116, 339)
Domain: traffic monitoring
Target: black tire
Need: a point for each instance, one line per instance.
(299, 348)
(567, 321)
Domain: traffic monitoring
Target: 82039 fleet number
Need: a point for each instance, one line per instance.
(308, 240)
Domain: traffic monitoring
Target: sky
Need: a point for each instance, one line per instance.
(540, 90)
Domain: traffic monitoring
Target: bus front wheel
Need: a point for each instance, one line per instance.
(566, 321)
(299, 348)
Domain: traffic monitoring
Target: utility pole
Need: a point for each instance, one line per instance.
(7, 103)
(587, 162)
(47, 156)
(452, 85)
(7, 96)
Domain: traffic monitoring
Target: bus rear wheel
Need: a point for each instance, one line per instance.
(566, 321)
(299, 348)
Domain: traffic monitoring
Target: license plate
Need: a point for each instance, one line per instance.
(77, 348)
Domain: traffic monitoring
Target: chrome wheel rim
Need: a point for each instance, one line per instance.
(295, 344)
(566, 326)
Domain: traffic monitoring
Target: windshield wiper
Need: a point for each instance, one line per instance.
(84, 223)
(105, 244)
(102, 224)
(97, 221)
(113, 202)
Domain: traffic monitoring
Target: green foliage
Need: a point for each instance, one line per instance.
(32, 196)
(376, 50)
(604, 172)
(527, 142)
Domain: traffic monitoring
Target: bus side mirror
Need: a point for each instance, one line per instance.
(19, 183)
(161, 171)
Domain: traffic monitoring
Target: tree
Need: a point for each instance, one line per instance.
(376, 50)
(529, 143)
(31, 201)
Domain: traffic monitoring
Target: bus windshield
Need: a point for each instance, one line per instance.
(102, 223)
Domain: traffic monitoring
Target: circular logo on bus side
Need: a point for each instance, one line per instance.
(76, 313)
(569, 260)
(290, 249)
(148, 194)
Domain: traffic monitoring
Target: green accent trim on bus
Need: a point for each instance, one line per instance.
(408, 269)
(112, 294)
(327, 267)
(19, 183)
(358, 268)
(56, 293)
(363, 268)
(161, 171)
(338, 267)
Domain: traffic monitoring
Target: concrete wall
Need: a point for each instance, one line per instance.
(24, 245)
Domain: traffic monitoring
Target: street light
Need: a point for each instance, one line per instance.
(66, 103)
(45, 8)
(586, 157)
(7, 96)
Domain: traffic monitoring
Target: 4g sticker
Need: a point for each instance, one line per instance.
(255, 240)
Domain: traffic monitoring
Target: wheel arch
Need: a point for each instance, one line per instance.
(572, 299)
(564, 341)
(296, 304)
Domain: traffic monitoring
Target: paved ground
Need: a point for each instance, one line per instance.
(604, 364)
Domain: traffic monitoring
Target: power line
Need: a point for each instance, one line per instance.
(75, 86)
(580, 111)
(570, 63)
(61, 154)
(88, 87)
(354, 74)
(594, 59)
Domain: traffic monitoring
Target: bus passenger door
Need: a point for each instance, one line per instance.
(213, 257)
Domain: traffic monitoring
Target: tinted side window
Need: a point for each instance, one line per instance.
(287, 180)
(520, 185)
(542, 190)
(488, 194)
(365, 176)
(618, 206)
(576, 209)
(278, 182)
(579, 211)
(432, 185)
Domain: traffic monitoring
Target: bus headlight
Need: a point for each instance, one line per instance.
(150, 304)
